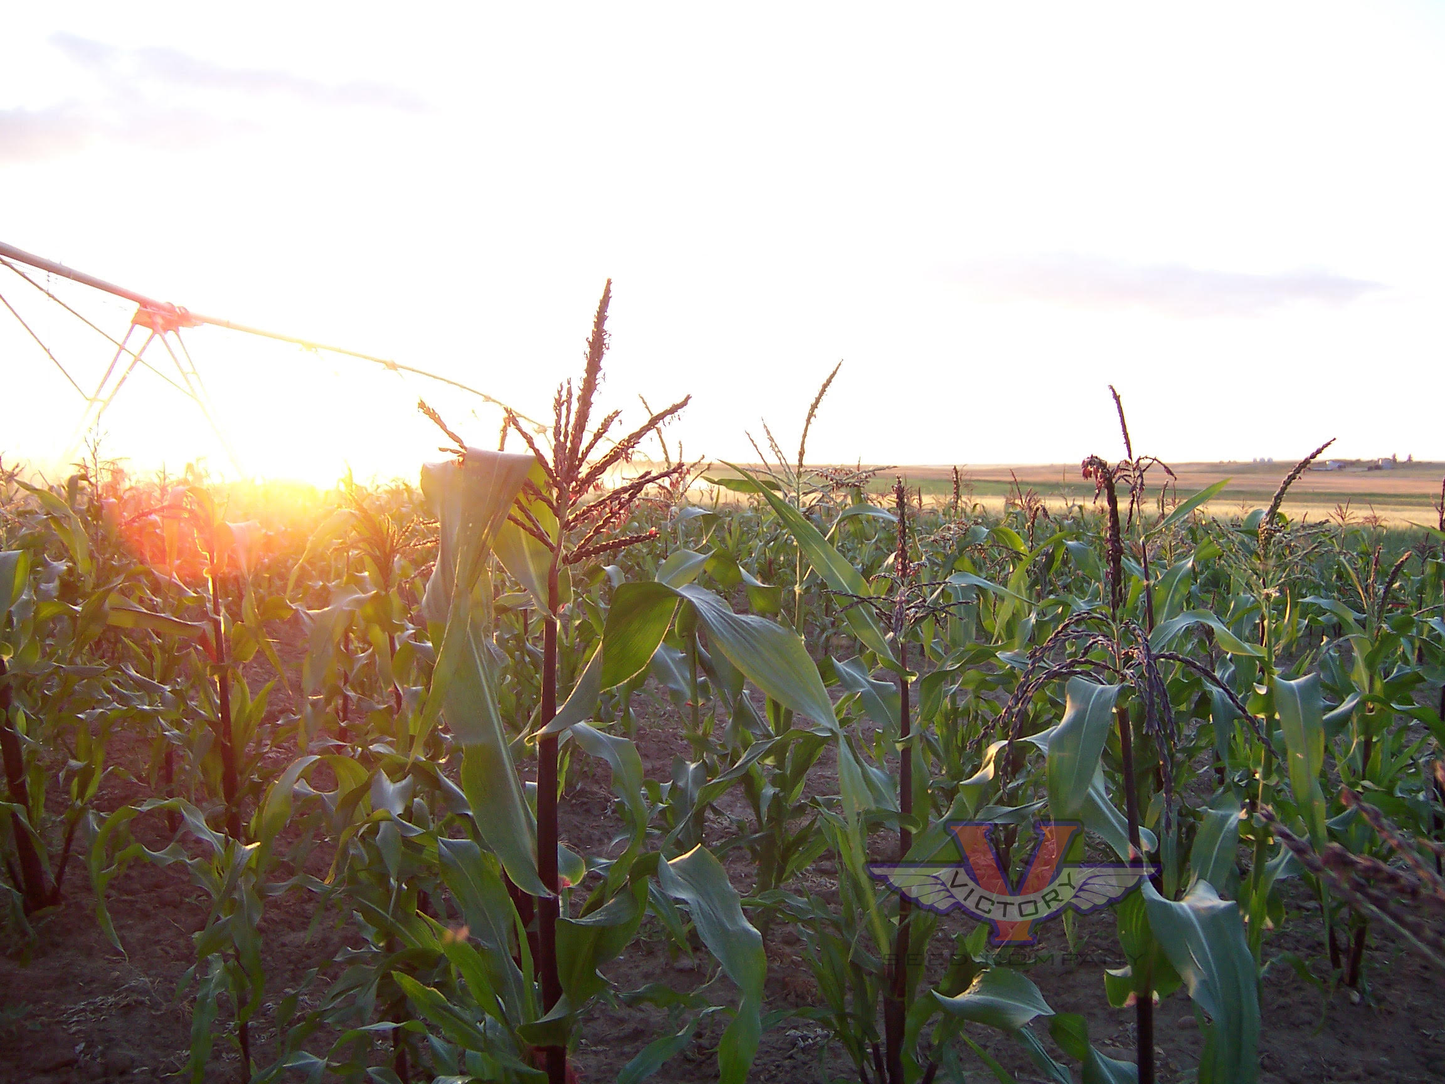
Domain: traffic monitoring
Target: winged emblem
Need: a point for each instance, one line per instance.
(981, 888)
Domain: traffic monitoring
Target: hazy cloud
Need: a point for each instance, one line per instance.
(30, 134)
(173, 69)
(139, 89)
(1096, 282)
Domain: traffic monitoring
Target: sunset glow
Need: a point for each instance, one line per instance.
(1182, 204)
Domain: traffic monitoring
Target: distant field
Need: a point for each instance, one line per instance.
(1406, 494)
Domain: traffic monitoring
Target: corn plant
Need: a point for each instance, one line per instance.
(559, 525)
(58, 696)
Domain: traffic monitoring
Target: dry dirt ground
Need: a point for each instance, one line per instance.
(78, 1010)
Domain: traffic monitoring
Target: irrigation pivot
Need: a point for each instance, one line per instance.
(163, 321)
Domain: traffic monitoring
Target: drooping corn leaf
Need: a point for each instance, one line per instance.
(476, 884)
(1166, 632)
(1071, 1032)
(585, 944)
(1203, 937)
(124, 614)
(772, 657)
(769, 655)
(471, 499)
(523, 555)
(581, 702)
(1097, 812)
(1000, 998)
(623, 758)
(698, 880)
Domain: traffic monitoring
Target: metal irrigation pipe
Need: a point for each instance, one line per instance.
(163, 307)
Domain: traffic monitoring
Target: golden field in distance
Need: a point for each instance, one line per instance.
(1407, 492)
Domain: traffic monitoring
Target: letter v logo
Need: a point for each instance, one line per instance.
(1051, 843)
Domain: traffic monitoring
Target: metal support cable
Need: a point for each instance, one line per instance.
(52, 357)
(107, 336)
(103, 403)
(202, 400)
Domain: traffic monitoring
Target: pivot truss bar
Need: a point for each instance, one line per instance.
(162, 316)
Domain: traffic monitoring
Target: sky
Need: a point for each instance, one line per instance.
(988, 213)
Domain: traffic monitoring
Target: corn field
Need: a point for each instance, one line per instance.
(376, 715)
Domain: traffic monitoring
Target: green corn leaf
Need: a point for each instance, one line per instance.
(762, 598)
(1085, 560)
(1071, 1032)
(1350, 621)
(1166, 632)
(769, 655)
(475, 883)
(1212, 857)
(1172, 589)
(582, 703)
(276, 806)
(122, 613)
(328, 530)
(521, 554)
(470, 964)
(1203, 938)
(698, 880)
(870, 510)
(66, 524)
(880, 699)
(681, 567)
(1182, 511)
(1000, 998)
(837, 573)
(585, 944)
(1077, 743)
(454, 1023)
(640, 616)
(968, 579)
(1301, 717)
(471, 500)
(1098, 813)
(623, 758)
(657, 1053)
(745, 484)
(1059, 1074)
(14, 573)
(772, 657)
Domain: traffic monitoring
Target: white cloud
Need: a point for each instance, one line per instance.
(161, 97)
(1096, 282)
